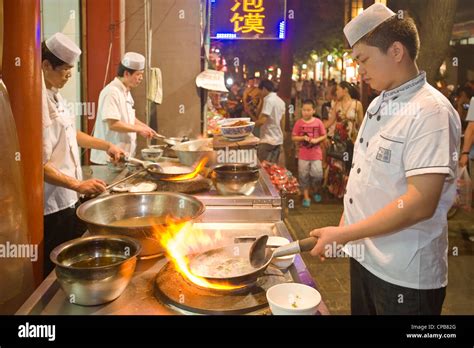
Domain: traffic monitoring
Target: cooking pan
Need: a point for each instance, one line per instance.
(161, 171)
(231, 265)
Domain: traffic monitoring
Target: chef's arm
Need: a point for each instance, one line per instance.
(86, 141)
(262, 119)
(122, 127)
(341, 221)
(417, 204)
(54, 176)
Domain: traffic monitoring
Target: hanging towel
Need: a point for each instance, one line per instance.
(155, 90)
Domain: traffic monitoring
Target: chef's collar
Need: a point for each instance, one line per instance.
(122, 85)
(407, 88)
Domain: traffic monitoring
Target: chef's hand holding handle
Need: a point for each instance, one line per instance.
(90, 187)
(296, 247)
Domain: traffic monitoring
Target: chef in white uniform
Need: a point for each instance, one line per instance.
(116, 121)
(62, 164)
(402, 181)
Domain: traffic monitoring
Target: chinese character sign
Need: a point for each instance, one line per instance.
(248, 19)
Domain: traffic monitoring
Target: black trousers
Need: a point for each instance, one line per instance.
(371, 295)
(60, 227)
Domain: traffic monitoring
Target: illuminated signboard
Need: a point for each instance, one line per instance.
(248, 19)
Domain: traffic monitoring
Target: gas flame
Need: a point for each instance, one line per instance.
(191, 175)
(181, 239)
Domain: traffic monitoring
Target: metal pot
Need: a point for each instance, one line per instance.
(95, 270)
(235, 179)
(139, 215)
(191, 152)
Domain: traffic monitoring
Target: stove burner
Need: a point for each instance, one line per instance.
(174, 289)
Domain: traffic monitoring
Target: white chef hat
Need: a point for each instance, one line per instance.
(134, 61)
(367, 21)
(63, 48)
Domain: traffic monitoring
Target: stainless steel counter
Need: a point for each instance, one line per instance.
(138, 297)
(233, 216)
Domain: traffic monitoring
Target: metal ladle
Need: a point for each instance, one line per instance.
(259, 256)
(146, 164)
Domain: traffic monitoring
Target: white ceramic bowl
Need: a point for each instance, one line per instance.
(282, 262)
(152, 154)
(293, 299)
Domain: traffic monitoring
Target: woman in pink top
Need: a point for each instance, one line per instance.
(309, 132)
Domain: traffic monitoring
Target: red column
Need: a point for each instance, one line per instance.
(102, 28)
(22, 76)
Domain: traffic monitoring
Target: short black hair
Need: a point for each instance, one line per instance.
(121, 70)
(397, 28)
(267, 84)
(309, 102)
(46, 54)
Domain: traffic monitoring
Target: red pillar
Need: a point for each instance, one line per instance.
(101, 35)
(22, 76)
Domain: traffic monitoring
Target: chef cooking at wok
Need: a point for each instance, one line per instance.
(402, 181)
(62, 166)
(116, 121)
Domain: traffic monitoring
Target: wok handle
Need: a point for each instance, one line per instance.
(307, 244)
(296, 247)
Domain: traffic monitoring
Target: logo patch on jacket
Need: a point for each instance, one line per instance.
(384, 155)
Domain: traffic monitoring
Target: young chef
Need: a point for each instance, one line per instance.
(401, 184)
(116, 120)
(62, 166)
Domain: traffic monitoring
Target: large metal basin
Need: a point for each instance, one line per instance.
(101, 213)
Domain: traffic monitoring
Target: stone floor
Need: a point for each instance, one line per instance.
(332, 275)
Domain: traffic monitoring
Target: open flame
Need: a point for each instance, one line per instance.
(191, 175)
(181, 239)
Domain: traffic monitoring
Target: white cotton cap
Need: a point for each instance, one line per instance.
(63, 48)
(134, 61)
(367, 21)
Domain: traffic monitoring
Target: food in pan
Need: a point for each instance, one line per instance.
(210, 267)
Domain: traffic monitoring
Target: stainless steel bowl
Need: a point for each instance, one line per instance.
(236, 179)
(191, 152)
(101, 213)
(97, 269)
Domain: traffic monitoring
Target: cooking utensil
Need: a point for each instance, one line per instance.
(145, 164)
(139, 215)
(259, 257)
(235, 179)
(97, 269)
(231, 264)
(192, 152)
(162, 170)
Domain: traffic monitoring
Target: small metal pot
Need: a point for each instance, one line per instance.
(235, 179)
(95, 270)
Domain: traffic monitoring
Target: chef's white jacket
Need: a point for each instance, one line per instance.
(60, 148)
(410, 130)
(115, 103)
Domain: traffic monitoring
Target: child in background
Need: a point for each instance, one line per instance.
(309, 132)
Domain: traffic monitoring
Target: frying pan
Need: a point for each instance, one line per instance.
(230, 264)
(161, 170)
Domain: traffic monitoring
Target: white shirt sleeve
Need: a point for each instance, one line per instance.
(470, 112)
(432, 144)
(110, 108)
(267, 107)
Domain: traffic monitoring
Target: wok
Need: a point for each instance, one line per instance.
(103, 215)
(161, 170)
(231, 264)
